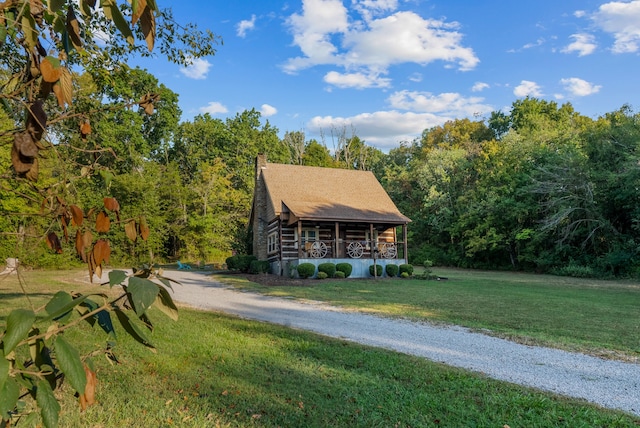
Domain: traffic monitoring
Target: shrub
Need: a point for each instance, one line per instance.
(328, 268)
(339, 274)
(345, 268)
(392, 270)
(408, 268)
(322, 275)
(232, 262)
(259, 266)
(404, 275)
(306, 270)
(378, 270)
(241, 262)
(575, 270)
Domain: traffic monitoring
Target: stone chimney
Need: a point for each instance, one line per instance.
(260, 210)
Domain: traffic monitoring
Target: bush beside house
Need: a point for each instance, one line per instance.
(345, 268)
(306, 270)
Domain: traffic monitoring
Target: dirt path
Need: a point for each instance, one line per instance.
(611, 384)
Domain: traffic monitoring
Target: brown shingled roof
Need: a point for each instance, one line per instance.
(314, 193)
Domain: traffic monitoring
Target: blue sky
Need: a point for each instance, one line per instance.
(385, 70)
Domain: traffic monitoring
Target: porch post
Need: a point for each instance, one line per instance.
(335, 242)
(372, 242)
(406, 246)
(299, 239)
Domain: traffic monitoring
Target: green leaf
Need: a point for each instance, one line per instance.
(85, 7)
(69, 362)
(142, 293)
(57, 5)
(67, 307)
(132, 328)
(167, 281)
(59, 301)
(103, 318)
(8, 397)
(164, 302)
(112, 12)
(117, 277)
(49, 406)
(19, 323)
(29, 30)
(4, 369)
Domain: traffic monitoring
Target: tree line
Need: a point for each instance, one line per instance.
(541, 188)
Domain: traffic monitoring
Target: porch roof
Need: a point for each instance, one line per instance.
(315, 193)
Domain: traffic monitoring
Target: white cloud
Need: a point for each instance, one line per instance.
(370, 8)
(479, 86)
(326, 35)
(266, 110)
(582, 43)
(537, 43)
(197, 70)
(579, 87)
(356, 80)
(410, 114)
(214, 108)
(622, 20)
(527, 88)
(245, 25)
(407, 37)
(416, 77)
(312, 31)
(579, 13)
(382, 129)
(450, 104)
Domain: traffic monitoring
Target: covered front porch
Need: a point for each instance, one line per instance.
(359, 244)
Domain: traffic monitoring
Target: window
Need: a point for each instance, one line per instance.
(272, 243)
(309, 235)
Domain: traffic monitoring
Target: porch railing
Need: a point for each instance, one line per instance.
(321, 249)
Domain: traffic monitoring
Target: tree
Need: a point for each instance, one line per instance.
(316, 154)
(44, 42)
(296, 143)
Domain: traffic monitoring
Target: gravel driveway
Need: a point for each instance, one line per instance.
(611, 384)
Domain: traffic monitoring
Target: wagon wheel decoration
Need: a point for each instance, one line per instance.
(318, 250)
(355, 250)
(388, 251)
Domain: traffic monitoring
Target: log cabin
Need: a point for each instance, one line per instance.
(305, 214)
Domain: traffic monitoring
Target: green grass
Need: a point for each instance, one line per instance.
(217, 370)
(599, 317)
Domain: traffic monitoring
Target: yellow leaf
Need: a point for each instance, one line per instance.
(77, 216)
(66, 85)
(138, 7)
(130, 230)
(29, 30)
(148, 27)
(32, 174)
(103, 223)
(73, 28)
(50, 69)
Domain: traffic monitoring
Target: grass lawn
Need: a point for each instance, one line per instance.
(217, 370)
(598, 317)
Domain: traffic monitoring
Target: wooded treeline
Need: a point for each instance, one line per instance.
(542, 188)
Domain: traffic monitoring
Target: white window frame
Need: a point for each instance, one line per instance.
(272, 243)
